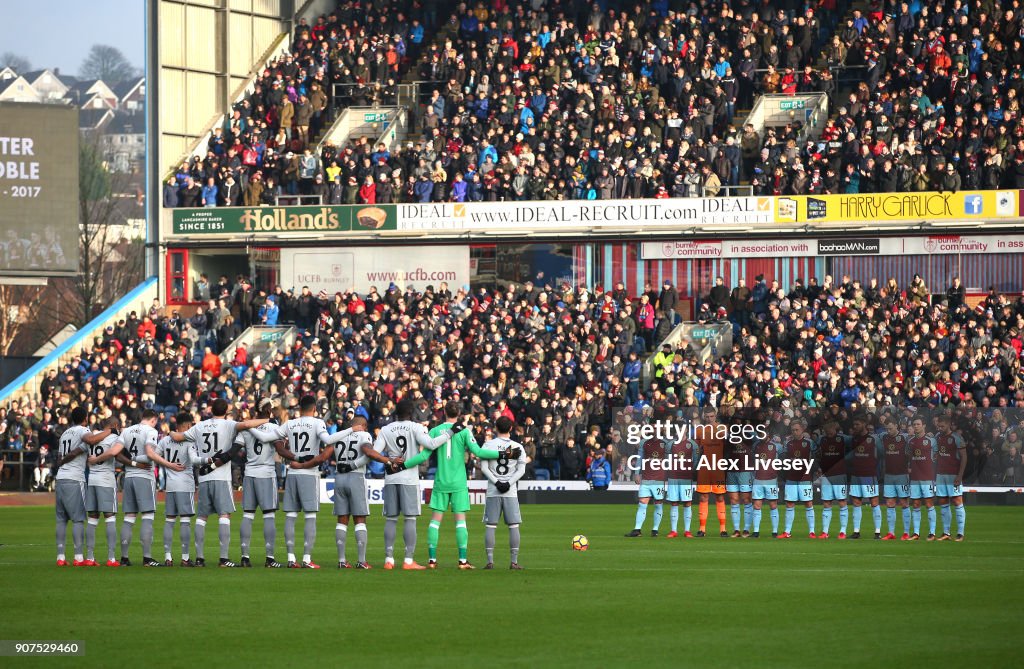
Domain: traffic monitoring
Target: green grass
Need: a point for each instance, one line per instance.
(624, 603)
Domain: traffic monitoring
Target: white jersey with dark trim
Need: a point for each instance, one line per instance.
(70, 440)
(183, 453)
(135, 439)
(259, 450)
(212, 436)
(103, 474)
(304, 436)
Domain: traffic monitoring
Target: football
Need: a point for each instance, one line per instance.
(580, 543)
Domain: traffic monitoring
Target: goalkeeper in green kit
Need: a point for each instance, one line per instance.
(450, 487)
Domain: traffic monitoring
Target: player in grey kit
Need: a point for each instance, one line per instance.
(352, 448)
(303, 435)
(139, 486)
(399, 441)
(259, 486)
(74, 446)
(502, 492)
(179, 491)
(214, 439)
(101, 496)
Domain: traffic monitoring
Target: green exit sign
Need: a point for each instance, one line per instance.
(786, 105)
(374, 117)
(703, 333)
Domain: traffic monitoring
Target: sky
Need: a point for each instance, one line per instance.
(64, 31)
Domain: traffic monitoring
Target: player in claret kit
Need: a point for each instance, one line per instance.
(738, 486)
(684, 454)
(866, 453)
(101, 496)
(896, 484)
(798, 449)
(652, 479)
(923, 451)
(833, 449)
(451, 490)
(951, 460)
(75, 443)
(767, 452)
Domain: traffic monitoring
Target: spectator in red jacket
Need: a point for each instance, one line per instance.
(368, 191)
(146, 327)
(211, 364)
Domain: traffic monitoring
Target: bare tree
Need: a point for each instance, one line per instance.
(16, 62)
(107, 63)
(111, 259)
(17, 306)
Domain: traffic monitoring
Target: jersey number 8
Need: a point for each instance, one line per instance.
(502, 468)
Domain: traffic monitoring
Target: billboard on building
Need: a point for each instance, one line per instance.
(342, 269)
(38, 190)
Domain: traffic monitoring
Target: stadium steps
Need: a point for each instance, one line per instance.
(27, 385)
(261, 343)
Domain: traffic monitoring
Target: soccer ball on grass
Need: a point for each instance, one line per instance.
(580, 543)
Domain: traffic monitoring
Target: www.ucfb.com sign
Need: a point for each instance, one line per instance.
(585, 214)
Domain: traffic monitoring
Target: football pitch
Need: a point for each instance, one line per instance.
(644, 602)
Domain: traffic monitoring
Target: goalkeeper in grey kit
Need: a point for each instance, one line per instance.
(502, 491)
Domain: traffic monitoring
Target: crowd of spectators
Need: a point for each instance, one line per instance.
(937, 107)
(353, 55)
(562, 361)
(565, 99)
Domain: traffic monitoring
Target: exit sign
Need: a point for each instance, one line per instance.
(786, 105)
(374, 117)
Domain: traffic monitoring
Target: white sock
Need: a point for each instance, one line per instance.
(291, 557)
(408, 560)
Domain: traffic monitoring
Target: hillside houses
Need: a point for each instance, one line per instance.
(111, 113)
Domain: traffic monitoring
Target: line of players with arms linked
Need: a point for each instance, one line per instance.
(919, 460)
(86, 486)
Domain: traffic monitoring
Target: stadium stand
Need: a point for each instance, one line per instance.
(561, 360)
(565, 100)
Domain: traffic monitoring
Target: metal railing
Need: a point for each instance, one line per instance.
(297, 200)
(15, 459)
(809, 109)
(737, 190)
(702, 339)
(260, 341)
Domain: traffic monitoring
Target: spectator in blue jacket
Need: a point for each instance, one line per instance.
(416, 32)
(269, 312)
(487, 150)
(209, 195)
(600, 472)
(851, 393)
(423, 189)
(631, 375)
(171, 193)
(459, 189)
